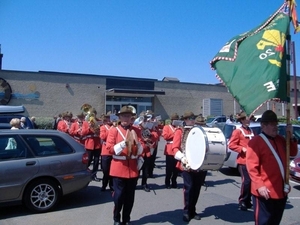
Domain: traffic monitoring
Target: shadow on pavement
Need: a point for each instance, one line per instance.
(91, 195)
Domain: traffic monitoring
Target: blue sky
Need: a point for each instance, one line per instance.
(134, 38)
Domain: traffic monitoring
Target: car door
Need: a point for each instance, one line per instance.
(17, 166)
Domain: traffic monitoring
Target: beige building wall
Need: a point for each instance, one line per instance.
(50, 93)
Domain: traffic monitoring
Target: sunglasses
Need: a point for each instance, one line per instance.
(191, 118)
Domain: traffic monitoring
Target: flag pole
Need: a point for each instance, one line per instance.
(288, 113)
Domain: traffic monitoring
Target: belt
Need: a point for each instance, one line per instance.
(169, 142)
(79, 138)
(121, 157)
(91, 135)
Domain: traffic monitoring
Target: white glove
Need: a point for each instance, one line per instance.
(119, 147)
(179, 155)
(184, 160)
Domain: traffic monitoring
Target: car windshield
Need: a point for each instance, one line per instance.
(282, 131)
(209, 120)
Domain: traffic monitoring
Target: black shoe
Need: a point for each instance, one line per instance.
(127, 223)
(243, 207)
(146, 188)
(168, 187)
(117, 223)
(175, 186)
(249, 205)
(186, 218)
(197, 217)
(103, 189)
(95, 178)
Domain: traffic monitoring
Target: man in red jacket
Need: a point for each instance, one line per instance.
(76, 128)
(171, 170)
(65, 124)
(125, 144)
(192, 179)
(106, 157)
(238, 143)
(266, 163)
(91, 130)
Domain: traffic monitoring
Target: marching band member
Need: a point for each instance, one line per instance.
(76, 128)
(171, 170)
(266, 163)
(192, 179)
(65, 124)
(91, 130)
(153, 150)
(106, 157)
(149, 138)
(125, 144)
(200, 121)
(238, 143)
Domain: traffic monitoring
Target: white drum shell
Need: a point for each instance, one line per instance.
(208, 139)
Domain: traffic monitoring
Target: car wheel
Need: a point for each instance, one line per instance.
(42, 195)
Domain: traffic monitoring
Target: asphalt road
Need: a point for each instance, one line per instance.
(217, 204)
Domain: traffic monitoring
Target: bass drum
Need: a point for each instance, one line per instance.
(206, 148)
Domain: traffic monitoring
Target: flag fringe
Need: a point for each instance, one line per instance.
(232, 59)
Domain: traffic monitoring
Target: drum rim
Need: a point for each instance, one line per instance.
(206, 145)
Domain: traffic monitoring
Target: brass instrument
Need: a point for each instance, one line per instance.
(90, 117)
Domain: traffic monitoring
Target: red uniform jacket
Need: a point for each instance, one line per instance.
(168, 134)
(121, 168)
(238, 141)
(92, 141)
(263, 167)
(103, 136)
(177, 145)
(64, 126)
(76, 131)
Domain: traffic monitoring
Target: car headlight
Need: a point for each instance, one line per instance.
(292, 164)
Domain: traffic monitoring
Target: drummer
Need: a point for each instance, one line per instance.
(200, 121)
(192, 179)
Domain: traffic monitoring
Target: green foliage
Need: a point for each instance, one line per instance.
(283, 120)
(167, 122)
(44, 122)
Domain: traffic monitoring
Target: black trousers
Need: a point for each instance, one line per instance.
(192, 182)
(152, 162)
(105, 163)
(123, 195)
(94, 156)
(268, 212)
(171, 171)
(145, 170)
(245, 192)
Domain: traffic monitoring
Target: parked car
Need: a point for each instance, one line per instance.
(295, 170)
(38, 167)
(218, 121)
(8, 112)
(230, 160)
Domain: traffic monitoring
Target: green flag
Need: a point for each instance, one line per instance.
(253, 65)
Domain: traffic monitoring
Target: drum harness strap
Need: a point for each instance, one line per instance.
(173, 130)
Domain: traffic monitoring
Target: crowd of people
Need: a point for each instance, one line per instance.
(126, 149)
